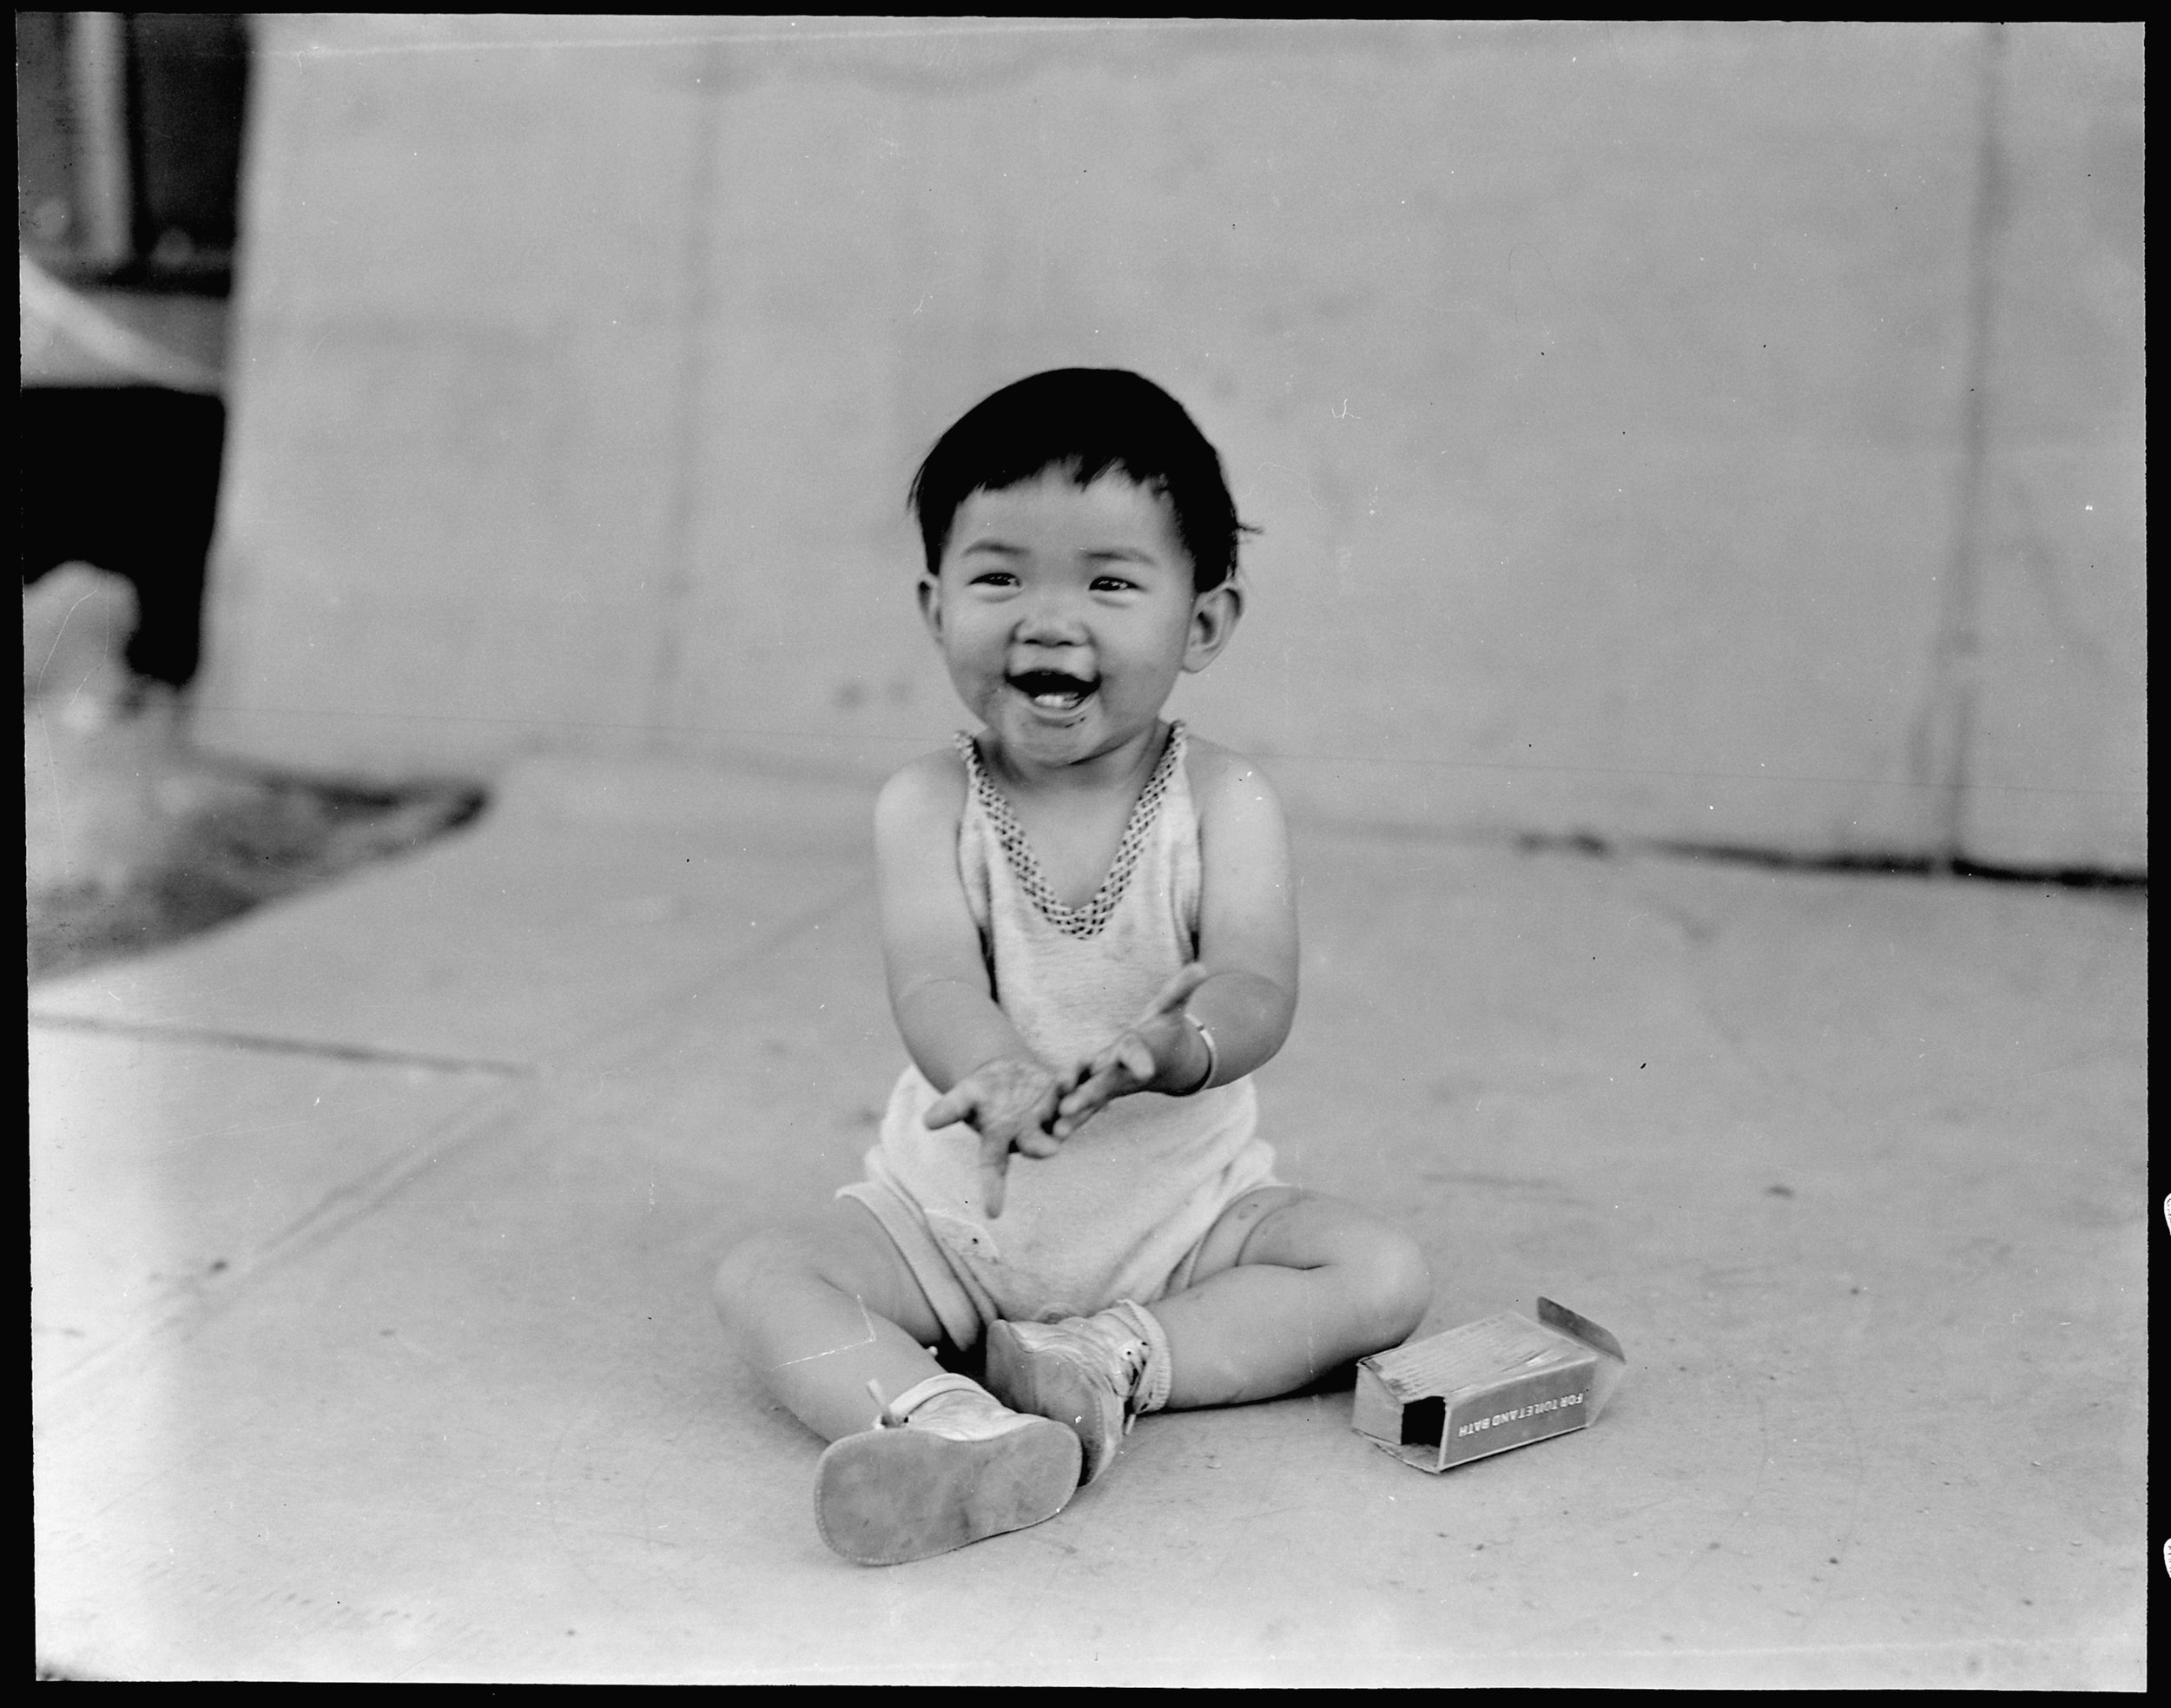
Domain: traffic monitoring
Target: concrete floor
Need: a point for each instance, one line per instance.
(373, 1234)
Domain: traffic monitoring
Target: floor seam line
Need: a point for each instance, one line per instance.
(160, 1032)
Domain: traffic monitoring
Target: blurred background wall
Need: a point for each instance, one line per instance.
(1728, 434)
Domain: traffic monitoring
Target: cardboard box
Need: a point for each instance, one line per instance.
(1486, 1387)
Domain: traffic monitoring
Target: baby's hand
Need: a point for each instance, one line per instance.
(1011, 1102)
(1159, 1038)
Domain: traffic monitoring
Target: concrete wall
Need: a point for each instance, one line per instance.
(1719, 433)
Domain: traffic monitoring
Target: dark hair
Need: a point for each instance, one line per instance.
(1084, 421)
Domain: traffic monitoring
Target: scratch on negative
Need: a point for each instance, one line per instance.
(832, 1352)
(57, 634)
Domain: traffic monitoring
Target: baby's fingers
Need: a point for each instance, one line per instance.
(1174, 994)
(1125, 1065)
(1096, 1084)
(955, 1105)
(1093, 1094)
(994, 1174)
(1040, 1134)
(1129, 1054)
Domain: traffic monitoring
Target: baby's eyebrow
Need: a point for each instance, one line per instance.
(1000, 547)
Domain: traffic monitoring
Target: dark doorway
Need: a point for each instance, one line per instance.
(127, 477)
(128, 134)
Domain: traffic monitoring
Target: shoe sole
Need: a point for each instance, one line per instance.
(1050, 1386)
(887, 1496)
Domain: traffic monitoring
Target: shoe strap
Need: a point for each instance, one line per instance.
(895, 1414)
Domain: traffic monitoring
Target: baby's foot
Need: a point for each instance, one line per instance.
(945, 1464)
(1089, 1372)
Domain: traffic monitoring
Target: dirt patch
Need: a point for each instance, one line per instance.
(135, 841)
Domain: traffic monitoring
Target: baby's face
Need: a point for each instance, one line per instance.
(1065, 614)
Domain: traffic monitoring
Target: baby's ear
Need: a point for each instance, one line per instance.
(1214, 616)
(931, 606)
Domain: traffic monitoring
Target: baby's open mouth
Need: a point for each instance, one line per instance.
(1053, 690)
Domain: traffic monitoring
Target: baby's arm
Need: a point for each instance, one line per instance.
(1242, 987)
(939, 992)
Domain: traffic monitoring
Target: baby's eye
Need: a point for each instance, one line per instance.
(994, 578)
(1112, 584)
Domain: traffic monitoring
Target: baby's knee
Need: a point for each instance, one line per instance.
(1399, 1283)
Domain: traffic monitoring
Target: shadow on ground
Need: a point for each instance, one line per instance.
(133, 841)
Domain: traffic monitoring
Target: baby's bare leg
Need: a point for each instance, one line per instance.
(1291, 1285)
(819, 1310)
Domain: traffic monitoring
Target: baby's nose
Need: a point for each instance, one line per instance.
(1052, 620)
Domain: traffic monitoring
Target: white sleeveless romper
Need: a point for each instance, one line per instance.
(1119, 1212)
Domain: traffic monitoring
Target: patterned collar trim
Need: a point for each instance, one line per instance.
(1086, 920)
